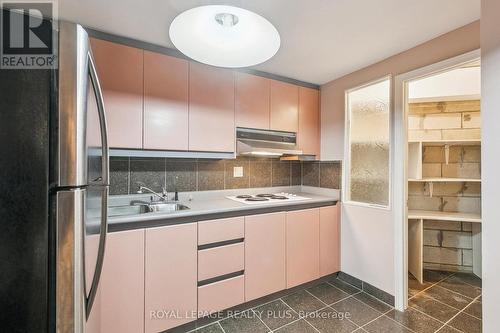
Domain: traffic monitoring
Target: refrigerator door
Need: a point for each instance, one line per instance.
(83, 170)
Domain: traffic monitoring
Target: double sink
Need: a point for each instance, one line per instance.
(143, 207)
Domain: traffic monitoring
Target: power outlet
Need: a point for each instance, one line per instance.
(238, 172)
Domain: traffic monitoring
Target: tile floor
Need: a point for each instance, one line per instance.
(445, 303)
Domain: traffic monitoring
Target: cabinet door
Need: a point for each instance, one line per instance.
(264, 255)
(211, 109)
(120, 70)
(309, 123)
(329, 240)
(302, 246)
(165, 102)
(122, 283)
(170, 276)
(252, 101)
(284, 106)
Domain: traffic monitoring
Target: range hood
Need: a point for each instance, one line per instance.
(256, 142)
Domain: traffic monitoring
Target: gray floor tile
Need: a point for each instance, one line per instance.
(213, 328)
(457, 285)
(276, 314)
(448, 297)
(330, 321)
(246, 322)
(327, 293)
(344, 286)
(475, 309)
(373, 302)
(435, 276)
(466, 323)
(469, 278)
(415, 320)
(360, 313)
(299, 326)
(448, 329)
(385, 325)
(433, 308)
(414, 287)
(303, 302)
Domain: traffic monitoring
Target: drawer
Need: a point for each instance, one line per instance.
(221, 295)
(214, 231)
(220, 260)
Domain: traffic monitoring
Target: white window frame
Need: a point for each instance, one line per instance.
(347, 150)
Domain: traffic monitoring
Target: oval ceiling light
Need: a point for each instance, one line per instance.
(224, 36)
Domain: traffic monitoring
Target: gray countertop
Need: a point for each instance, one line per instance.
(216, 205)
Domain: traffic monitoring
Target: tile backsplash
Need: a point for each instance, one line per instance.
(204, 175)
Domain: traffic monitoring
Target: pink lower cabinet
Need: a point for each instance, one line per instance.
(302, 246)
(170, 276)
(264, 255)
(221, 295)
(122, 283)
(329, 240)
(221, 260)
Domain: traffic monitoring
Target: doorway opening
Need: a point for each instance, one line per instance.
(438, 218)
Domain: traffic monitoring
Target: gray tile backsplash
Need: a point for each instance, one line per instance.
(205, 175)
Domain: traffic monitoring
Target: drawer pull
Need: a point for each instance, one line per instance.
(218, 244)
(220, 278)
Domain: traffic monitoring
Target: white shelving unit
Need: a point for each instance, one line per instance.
(416, 218)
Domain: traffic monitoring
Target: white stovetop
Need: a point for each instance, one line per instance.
(290, 196)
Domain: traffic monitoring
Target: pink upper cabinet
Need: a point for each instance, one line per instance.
(165, 102)
(211, 109)
(329, 240)
(309, 121)
(302, 246)
(284, 106)
(122, 283)
(120, 70)
(252, 101)
(264, 255)
(171, 282)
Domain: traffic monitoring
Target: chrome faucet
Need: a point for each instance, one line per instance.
(162, 197)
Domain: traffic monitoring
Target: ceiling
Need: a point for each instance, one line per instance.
(320, 39)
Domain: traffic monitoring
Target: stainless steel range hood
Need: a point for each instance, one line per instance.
(258, 142)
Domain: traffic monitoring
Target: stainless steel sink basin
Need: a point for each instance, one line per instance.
(142, 208)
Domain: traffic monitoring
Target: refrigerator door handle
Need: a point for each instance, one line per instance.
(105, 180)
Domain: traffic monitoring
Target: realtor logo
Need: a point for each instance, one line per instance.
(28, 35)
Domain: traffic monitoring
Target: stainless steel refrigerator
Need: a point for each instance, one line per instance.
(54, 160)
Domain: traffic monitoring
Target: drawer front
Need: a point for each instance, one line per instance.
(221, 230)
(220, 260)
(221, 295)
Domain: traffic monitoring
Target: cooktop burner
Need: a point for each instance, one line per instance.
(266, 198)
(257, 199)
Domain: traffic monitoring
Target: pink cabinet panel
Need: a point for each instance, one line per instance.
(252, 101)
(170, 276)
(214, 231)
(120, 70)
(221, 295)
(284, 106)
(220, 260)
(302, 246)
(309, 121)
(165, 102)
(264, 255)
(329, 240)
(211, 109)
(122, 283)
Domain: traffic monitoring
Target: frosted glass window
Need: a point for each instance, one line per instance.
(369, 144)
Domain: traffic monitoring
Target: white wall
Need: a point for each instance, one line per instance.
(490, 114)
(450, 85)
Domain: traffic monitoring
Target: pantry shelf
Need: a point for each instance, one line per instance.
(444, 216)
